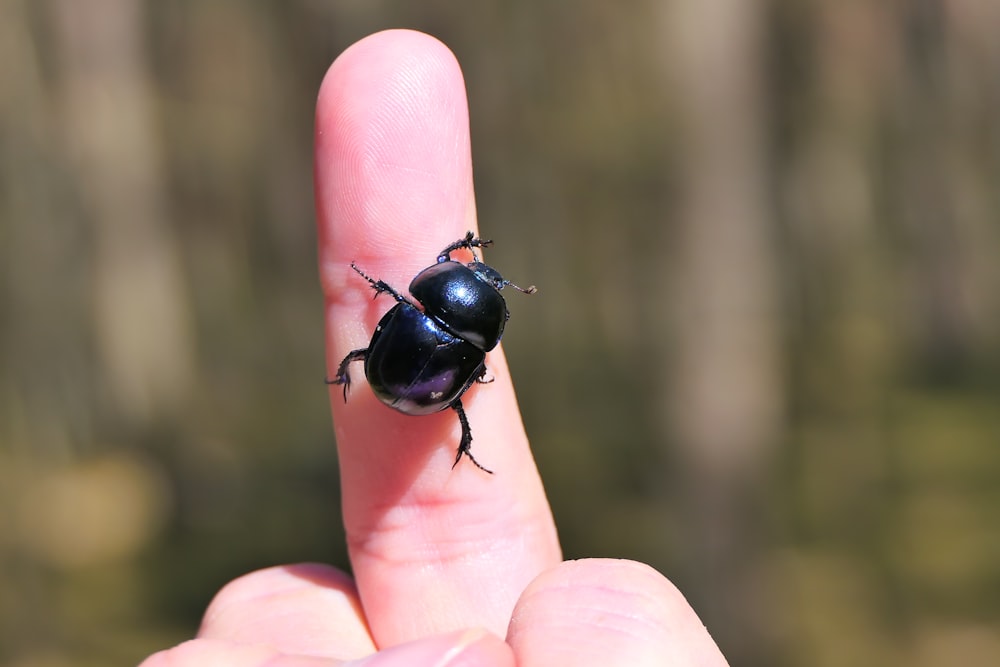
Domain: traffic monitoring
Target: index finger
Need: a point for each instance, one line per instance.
(433, 548)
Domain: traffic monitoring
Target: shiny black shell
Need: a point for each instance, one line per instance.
(418, 367)
(463, 301)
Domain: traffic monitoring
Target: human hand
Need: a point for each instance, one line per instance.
(451, 566)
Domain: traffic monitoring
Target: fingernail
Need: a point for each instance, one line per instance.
(452, 650)
(465, 639)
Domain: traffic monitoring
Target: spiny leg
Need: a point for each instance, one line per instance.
(482, 379)
(343, 377)
(465, 445)
(469, 241)
(380, 286)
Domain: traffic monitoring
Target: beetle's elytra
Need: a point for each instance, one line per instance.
(424, 356)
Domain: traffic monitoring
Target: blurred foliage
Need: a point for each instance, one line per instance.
(764, 358)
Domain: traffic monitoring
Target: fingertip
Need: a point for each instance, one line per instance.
(366, 57)
(393, 162)
(607, 611)
(307, 608)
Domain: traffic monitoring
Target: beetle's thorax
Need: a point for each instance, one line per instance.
(463, 300)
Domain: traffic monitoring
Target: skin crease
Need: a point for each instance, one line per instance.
(451, 566)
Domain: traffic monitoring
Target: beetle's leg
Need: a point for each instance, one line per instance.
(380, 286)
(342, 376)
(469, 241)
(481, 378)
(465, 446)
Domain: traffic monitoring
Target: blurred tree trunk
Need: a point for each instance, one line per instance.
(141, 321)
(945, 114)
(724, 390)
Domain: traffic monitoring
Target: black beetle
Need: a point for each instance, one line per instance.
(421, 361)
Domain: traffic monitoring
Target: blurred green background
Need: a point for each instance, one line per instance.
(764, 355)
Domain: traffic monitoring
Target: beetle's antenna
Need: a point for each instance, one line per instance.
(530, 289)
